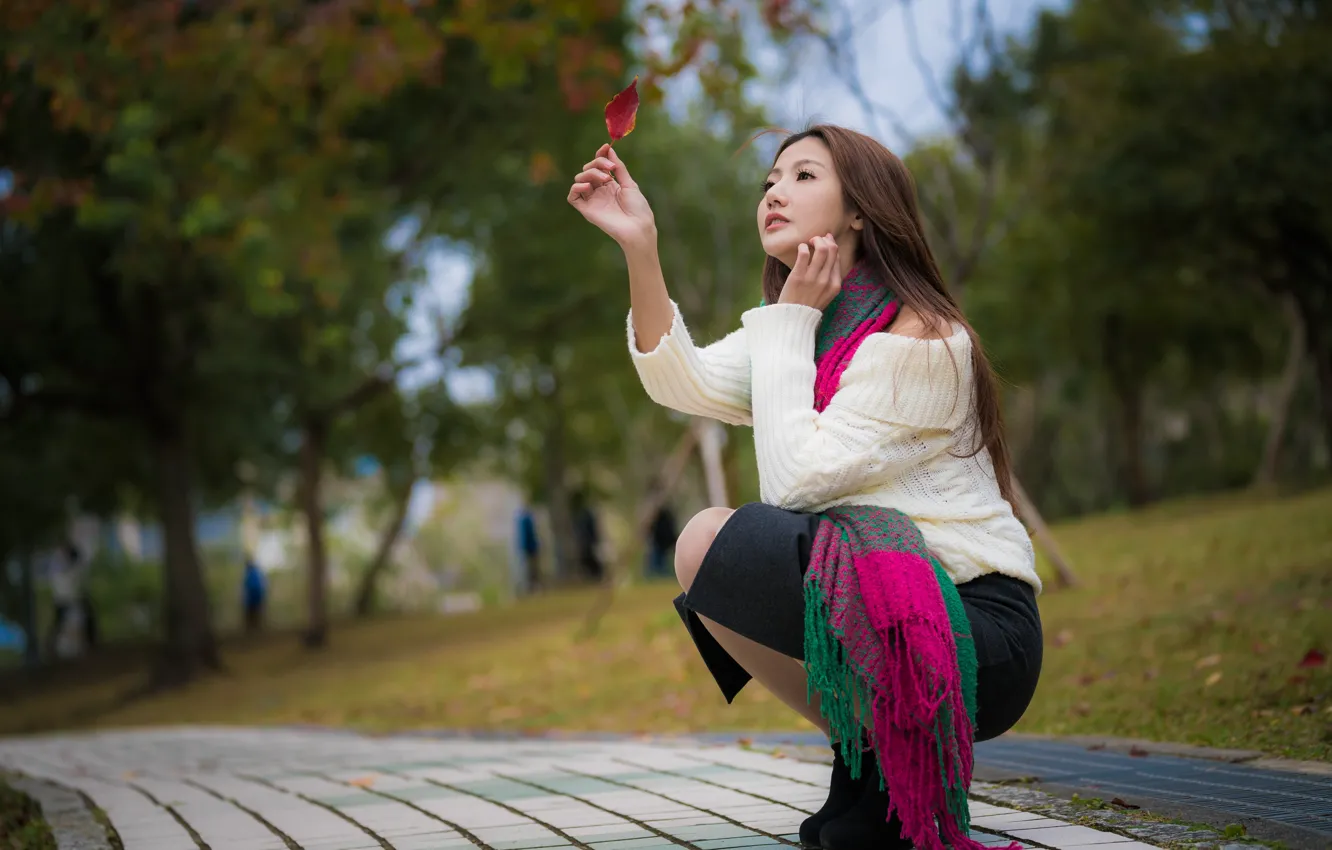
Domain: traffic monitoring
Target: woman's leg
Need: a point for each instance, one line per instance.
(781, 674)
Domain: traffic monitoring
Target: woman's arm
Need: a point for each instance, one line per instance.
(711, 382)
(901, 401)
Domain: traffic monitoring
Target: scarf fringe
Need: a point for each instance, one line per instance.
(919, 727)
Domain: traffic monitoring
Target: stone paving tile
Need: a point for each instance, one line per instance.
(1068, 836)
(262, 788)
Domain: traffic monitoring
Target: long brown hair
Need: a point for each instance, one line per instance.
(878, 186)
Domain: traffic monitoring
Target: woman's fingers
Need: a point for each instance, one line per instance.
(621, 170)
(819, 264)
(831, 269)
(595, 176)
(577, 190)
(600, 162)
(801, 264)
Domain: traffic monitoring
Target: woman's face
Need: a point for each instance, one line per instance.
(802, 198)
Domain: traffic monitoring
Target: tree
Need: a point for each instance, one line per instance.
(181, 211)
(1195, 160)
(422, 434)
(202, 174)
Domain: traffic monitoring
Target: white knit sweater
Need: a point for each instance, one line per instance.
(891, 436)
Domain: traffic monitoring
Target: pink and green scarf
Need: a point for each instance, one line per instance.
(888, 647)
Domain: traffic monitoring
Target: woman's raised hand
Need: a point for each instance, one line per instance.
(609, 198)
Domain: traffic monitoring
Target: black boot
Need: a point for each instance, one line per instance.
(843, 792)
(865, 825)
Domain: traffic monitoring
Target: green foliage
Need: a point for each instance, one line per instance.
(548, 308)
(22, 826)
(1157, 196)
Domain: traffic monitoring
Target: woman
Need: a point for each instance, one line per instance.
(884, 589)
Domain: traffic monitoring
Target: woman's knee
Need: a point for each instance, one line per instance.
(695, 540)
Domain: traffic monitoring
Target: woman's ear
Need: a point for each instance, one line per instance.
(857, 223)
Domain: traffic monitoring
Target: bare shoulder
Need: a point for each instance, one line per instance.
(914, 324)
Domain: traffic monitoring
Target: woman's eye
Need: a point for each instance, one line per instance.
(803, 174)
(767, 184)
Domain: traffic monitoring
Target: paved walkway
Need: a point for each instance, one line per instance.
(1286, 801)
(1298, 800)
(275, 789)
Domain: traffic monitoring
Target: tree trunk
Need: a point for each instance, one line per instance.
(668, 477)
(730, 463)
(1289, 384)
(1126, 385)
(32, 646)
(365, 594)
(1029, 513)
(565, 545)
(710, 439)
(1320, 352)
(190, 647)
(1132, 466)
(311, 464)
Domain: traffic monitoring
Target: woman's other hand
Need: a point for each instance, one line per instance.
(816, 278)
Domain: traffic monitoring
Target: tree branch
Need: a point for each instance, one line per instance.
(932, 89)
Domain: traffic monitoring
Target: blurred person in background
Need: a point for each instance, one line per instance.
(254, 595)
(661, 536)
(529, 549)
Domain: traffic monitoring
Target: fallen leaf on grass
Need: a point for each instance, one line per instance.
(1082, 708)
(1207, 661)
(1150, 673)
(1301, 710)
(1313, 658)
(1212, 679)
(1123, 805)
(1064, 638)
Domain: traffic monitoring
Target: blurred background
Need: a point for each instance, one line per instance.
(315, 404)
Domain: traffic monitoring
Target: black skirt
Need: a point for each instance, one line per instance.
(752, 582)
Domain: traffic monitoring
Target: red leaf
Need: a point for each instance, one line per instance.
(1313, 658)
(1123, 805)
(622, 112)
(1138, 752)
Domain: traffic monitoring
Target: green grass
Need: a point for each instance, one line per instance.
(1189, 625)
(21, 823)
